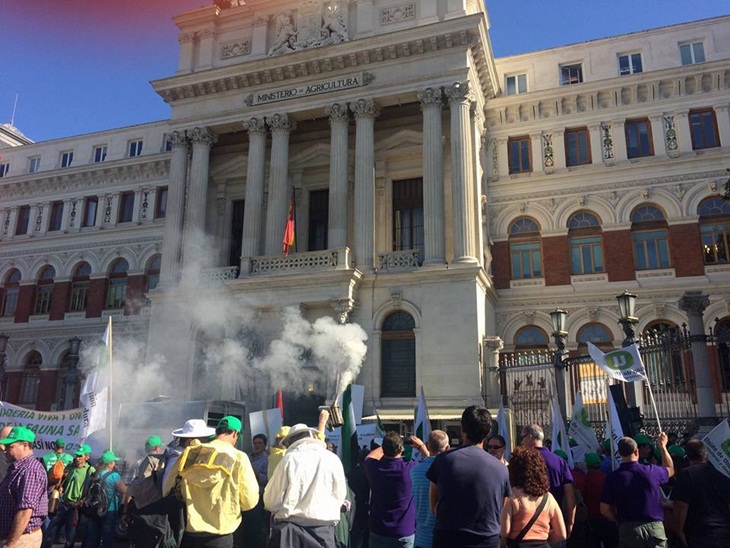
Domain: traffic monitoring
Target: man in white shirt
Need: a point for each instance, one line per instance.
(306, 492)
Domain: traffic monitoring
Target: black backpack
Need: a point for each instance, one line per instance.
(96, 500)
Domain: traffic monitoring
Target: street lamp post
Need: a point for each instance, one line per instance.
(558, 317)
(627, 319)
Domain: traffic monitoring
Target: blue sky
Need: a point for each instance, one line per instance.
(84, 65)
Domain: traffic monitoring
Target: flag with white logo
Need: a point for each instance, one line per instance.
(94, 397)
(623, 364)
(614, 432)
(581, 429)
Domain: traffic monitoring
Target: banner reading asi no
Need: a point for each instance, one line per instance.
(48, 426)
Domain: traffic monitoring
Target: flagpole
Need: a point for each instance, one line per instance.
(609, 434)
(653, 402)
(111, 389)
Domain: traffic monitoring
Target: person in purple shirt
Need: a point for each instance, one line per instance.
(392, 509)
(23, 497)
(632, 496)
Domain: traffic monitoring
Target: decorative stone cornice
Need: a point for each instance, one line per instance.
(65, 251)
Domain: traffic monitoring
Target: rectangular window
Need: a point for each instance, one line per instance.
(135, 148)
(629, 64)
(161, 203)
(90, 207)
(318, 219)
(117, 294)
(638, 138)
(703, 127)
(526, 260)
(577, 147)
(67, 158)
(99, 153)
(34, 164)
(56, 216)
(516, 84)
(716, 243)
(4, 168)
(11, 301)
(519, 155)
(126, 206)
(692, 53)
(79, 291)
(571, 74)
(29, 393)
(586, 255)
(408, 216)
(43, 299)
(651, 250)
(21, 227)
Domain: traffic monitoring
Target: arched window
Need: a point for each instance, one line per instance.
(152, 272)
(714, 215)
(531, 336)
(665, 366)
(586, 247)
(79, 287)
(11, 286)
(649, 234)
(398, 356)
(116, 295)
(525, 249)
(31, 379)
(722, 332)
(44, 290)
(595, 333)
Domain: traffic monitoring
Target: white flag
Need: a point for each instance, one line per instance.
(623, 364)
(421, 423)
(614, 432)
(94, 396)
(580, 427)
(503, 431)
(560, 436)
(718, 447)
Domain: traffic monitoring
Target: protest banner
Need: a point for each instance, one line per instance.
(581, 429)
(47, 426)
(718, 447)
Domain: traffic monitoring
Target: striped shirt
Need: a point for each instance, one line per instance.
(425, 519)
(23, 487)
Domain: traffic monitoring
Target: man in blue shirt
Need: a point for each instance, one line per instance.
(438, 442)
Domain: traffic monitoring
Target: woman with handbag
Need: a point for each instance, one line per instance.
(531, 517)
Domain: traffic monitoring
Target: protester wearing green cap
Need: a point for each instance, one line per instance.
(646, 449)
(23, 492)
(144, 492)
(214, 501)
(56, 462)
(78, 474)
(101, 530)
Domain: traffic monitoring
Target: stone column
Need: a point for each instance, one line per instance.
(491, 390)
(170, 261)
(657, 135)
(140, 195)
(100, 210)
(459, 97)
(254, 205)
(559, 156)
(44, 217)
(276, 212)
(723, 123)
(694, 304)
(433, 177)
(365, 111)
(502, 156)
(69, 222)
(337, 224)
(594, 131)
(35, 211)
(202, 140)
(205, 48)
(620, 149)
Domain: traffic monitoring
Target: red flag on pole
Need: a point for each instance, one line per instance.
(289, 228)
(280, 403)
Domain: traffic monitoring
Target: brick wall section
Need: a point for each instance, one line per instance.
(95, 298)
(501, 269)
(685, 250)
(618, 255)
(556, 260)
(26, 298)
(135, 288)
(59, 300)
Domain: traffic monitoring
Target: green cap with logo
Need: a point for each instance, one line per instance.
(230, 422)
(154, 441)
(108, 456)
(60, 442)
(593, 460)
(19, 433)
(85, 449)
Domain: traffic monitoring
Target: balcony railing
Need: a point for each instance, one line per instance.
(406, 259)
(310, 261)
(220, 275)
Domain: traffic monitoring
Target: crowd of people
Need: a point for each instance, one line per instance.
(200, 491)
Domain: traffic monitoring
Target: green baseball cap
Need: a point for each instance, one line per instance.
(19, 433)
(606, 444)
(108, 456)
(85, 449)
(593, 460)
(642, 439)
(676, 451)
(230, 423)
(60, 442)
(154, 441)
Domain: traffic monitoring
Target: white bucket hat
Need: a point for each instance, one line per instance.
(296, 430)
(194, 428)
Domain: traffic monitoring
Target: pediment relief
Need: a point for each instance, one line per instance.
(229, 166)
(315, 155)
(402, 139)
(315, 23)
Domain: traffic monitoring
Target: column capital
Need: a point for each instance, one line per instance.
(430, 98)
(255, 125)
(281, 123)
(337, 112)
(365, 108)
(694, 302)
(459, 92)
(202, 135)
(178, 139)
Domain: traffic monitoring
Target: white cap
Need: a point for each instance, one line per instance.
(194, 428)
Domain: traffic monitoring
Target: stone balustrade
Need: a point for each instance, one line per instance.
(310, 261)
(406, 259)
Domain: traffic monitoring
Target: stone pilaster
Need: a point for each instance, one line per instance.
(276, 213)
(433, 177)
(723, 123)
(365, 111)
(254, 205)
(657, 135)
(681, 122)
(202, 140)
(171, 246)
(337, 225)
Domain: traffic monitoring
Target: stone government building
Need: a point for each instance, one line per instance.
(446, 200)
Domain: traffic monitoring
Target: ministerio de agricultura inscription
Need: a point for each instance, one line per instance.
(306, 90)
